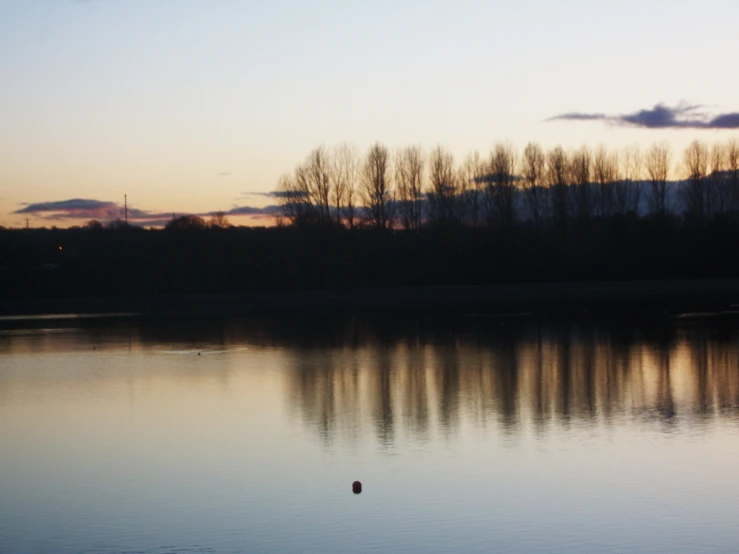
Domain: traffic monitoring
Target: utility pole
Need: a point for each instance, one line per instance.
(125, 207)
(27, 224)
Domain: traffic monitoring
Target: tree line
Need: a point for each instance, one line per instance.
(415, 218)
(410, 188)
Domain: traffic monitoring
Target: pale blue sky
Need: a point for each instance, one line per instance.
(157, 98)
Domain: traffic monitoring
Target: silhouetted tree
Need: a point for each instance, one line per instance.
(218, 221)
(557, 174)
(117, 223)
(533, 173)
(719, 190)
(93, 225)
(186, 222)
(376, 190)
(633, 164)
(605, 175)
(313, 178)
(502, 189)
(696, 161)
(580, 170)
(621, 186)
(409, 185)
(657, 162)
(442, 187)
(732, 168)
(295, 203)
(305, 196)
(344, 175)
(471, 189)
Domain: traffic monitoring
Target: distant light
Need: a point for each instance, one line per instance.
(60, 248)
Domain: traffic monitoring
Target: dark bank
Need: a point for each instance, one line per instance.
(610, 263)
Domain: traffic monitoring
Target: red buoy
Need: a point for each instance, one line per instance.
(356, 487)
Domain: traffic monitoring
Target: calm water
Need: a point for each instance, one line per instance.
(469, 435)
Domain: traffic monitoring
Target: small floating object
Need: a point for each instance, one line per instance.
(356, 487)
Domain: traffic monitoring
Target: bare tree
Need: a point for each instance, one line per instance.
(295, 204)
(376, 188)
(442, 186)
(621, 187)
(605, 175)
(580, 168)
(557, 174)
(93, 225)
(695, 159)
(409, 175)
(314, 178)
(465, 187)
(633, 163)
(657, 162)
(182, 223)
(503, 184)
(732, 168)
(719, 190)
(345, 170)
(305, 197)
(472, 188)
(218, 220)
(533, 169)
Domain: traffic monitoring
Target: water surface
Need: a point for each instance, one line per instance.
(469, 434)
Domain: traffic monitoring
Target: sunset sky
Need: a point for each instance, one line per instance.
(193, 106)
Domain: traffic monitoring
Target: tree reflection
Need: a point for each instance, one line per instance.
(391, 379)
(523, 376)
(381, 392)
(414, 392)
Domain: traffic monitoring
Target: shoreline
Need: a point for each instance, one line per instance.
(606, 296)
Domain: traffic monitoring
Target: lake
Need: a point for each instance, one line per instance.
(469, 434)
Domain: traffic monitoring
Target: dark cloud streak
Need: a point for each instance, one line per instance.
(85, 208)
(661, 116)
(247, 210)
(574, 116)
(72, 205)
(278, 194)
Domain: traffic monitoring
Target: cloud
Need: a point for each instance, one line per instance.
(726, 121)
(278, 194)
(575, 116)
(80, 208)
(85, 208)
(661, 116)
(248, 210)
